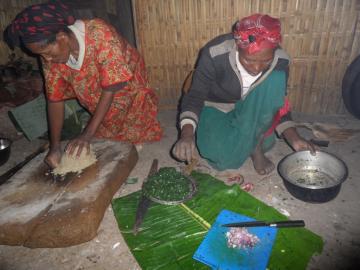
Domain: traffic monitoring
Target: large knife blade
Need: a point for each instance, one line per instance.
(7, 175)
(144, 202)
(277, 224)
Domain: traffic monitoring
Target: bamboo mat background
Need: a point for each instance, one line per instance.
(321, 36)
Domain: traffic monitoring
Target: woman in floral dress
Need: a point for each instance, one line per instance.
(88, 60)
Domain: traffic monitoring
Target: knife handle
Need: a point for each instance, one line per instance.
(321, 143)
(288, 223)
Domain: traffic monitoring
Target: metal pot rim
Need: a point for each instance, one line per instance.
(339, 182)
(8, 140)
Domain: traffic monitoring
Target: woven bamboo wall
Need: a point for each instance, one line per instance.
(322, 37)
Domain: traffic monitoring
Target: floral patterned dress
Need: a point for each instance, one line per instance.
(109, 60)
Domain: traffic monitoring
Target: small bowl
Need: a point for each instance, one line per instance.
(5, 146)
(313, 178)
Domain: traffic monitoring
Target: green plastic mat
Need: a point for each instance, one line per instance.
(170, 235)
(31, 118)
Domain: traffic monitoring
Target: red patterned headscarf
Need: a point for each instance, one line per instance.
(38, 22)
(257, 32)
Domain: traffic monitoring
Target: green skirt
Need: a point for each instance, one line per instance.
(226, 140)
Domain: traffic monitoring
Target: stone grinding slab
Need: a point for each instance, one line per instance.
(37, 212)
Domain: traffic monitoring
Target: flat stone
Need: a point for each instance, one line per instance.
(36, 211)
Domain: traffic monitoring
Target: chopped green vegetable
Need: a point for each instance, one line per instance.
(167, 185)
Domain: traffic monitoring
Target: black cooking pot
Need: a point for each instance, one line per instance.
(5, 145)
(315, 179)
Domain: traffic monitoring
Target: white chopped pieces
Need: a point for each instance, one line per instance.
(116, 245)
(241, 238)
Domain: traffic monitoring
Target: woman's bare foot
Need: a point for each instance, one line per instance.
(262, 164)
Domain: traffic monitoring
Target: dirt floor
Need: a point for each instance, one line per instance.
(337, 221)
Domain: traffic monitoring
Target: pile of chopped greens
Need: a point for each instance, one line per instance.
(167, 185)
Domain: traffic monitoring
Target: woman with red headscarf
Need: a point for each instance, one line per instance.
(88, 60)
(238, 98)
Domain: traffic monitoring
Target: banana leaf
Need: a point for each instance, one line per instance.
(170, 235)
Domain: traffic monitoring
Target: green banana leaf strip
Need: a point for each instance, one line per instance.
(170, 235)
